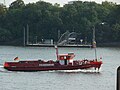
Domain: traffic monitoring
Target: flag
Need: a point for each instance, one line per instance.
(16, 58)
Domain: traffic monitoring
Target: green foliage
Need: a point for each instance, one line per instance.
(17, 4)
(45, 19)
(116, 32)
(5, 35)
(2, 9)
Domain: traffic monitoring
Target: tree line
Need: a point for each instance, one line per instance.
(45, 20)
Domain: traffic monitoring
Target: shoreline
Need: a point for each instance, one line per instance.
(111, 44)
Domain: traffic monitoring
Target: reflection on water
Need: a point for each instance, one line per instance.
(58, 80)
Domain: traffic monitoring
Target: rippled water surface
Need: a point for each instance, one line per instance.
(59, 80)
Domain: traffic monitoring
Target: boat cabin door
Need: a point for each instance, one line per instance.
(65, 60)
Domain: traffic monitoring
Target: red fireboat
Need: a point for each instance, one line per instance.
(63, 62)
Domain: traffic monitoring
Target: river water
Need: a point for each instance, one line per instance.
(59, 80)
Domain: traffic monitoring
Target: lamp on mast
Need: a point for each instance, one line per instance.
(94, 41)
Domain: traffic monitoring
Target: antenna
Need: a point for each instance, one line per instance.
(94, 43)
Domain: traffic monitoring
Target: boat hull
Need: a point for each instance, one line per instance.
(18, 67)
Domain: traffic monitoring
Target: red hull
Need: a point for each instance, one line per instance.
(50, 65)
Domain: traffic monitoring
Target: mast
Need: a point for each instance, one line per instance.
(94, 43)
(56, 51)
(27, 34)
(24, 36)
(58, 34)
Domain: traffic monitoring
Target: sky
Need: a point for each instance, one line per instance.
(61, 2)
